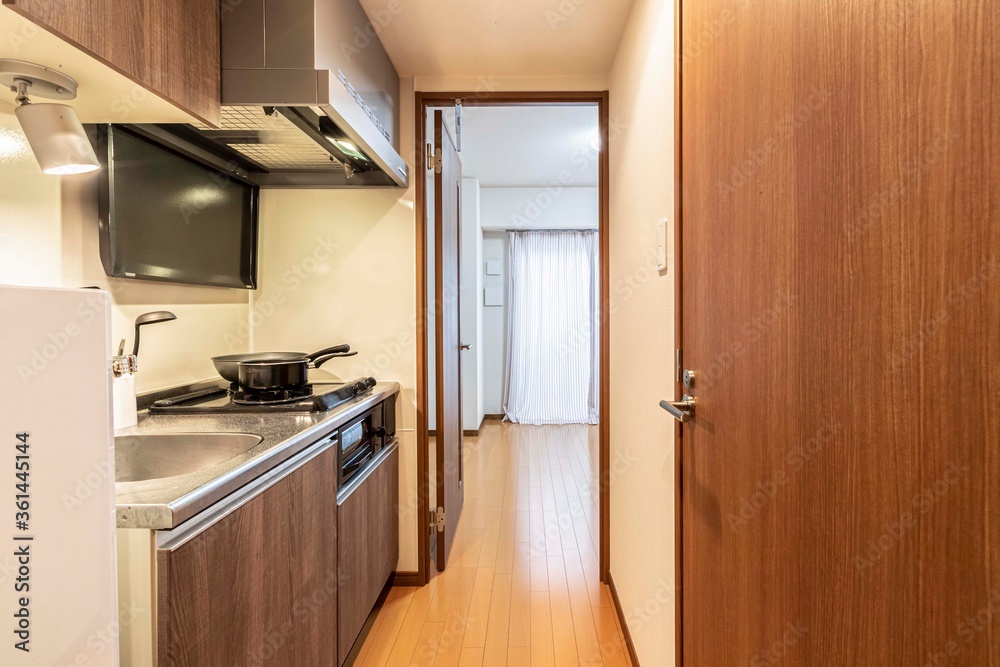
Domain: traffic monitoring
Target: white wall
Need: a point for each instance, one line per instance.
(495, 247)
(540, 208)
(642, 330)
(49, 237)
(471, 309)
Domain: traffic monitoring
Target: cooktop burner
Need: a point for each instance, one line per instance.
(279, 396)
(318, 397)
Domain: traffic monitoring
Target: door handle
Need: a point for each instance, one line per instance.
(464, 346)
(681, 410)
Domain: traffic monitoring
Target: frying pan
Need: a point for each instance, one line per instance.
(273, 374)
(228, 365)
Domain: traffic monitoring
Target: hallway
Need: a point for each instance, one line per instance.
(523, 584)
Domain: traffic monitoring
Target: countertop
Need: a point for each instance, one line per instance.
(165, 503)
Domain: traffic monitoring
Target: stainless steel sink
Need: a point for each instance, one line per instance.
(155, 456)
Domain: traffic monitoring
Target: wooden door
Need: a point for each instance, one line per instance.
(841, 309)
(447, 235)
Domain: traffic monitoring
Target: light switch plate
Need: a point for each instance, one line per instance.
(493, 297)
(661, 245)
(493, 267)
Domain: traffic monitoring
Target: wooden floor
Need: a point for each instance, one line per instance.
(522, 585)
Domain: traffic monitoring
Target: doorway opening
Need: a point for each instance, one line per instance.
(513, 282)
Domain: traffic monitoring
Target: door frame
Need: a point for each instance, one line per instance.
(424, 101)
(678, 335)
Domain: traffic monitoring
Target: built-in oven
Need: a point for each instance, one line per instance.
(364, 437)
(360, 440)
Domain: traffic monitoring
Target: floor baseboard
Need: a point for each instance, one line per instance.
(470, 432)
(406, 579)
(474, 433)
(621, 621)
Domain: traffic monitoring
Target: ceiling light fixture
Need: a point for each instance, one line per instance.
(53, 131)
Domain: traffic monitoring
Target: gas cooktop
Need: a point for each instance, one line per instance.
(318, 397)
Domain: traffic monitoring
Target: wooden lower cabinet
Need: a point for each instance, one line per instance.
(259, 587)
(368, 547)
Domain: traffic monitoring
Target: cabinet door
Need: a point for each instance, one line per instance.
(368, 546)
(260, 586)
(168, 47)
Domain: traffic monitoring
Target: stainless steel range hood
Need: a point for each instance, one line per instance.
(309, 96)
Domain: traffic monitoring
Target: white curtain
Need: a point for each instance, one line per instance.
(552, 328)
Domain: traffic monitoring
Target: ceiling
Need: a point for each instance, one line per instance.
(500, 38)
(520, 147)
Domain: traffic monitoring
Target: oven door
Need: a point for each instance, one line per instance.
(359, 442)
(353, 465)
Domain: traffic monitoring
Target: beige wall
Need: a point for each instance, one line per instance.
(341, 263)
(642, 330)
(339, 267)
(48, 237)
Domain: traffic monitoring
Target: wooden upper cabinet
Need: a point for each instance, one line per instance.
(168, 47)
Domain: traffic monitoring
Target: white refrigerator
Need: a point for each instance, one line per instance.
(58, 596)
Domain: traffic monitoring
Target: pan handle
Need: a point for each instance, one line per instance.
(336, 349)
(322, 359)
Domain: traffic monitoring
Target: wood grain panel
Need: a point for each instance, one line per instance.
(260, 586)
(168, 47)
(841, 185)
(368, 547)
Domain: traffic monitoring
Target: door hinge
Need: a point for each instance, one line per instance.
(437, 519)
(434, 159)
